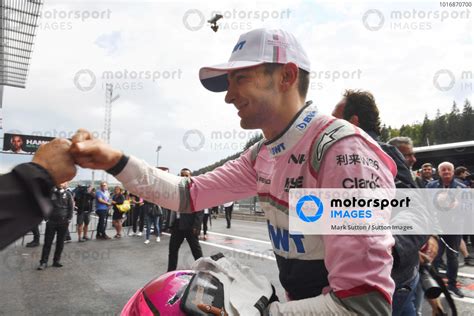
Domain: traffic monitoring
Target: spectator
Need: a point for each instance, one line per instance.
(67, 237)
(117, 199)
(405, 146)
(426, 175)
(462, 175)
(83, 198)
(215, 211)
(102, 208)
(152, 214)
(186, 225)
(204, 222)
(137, 214)
(57, 224)
(228, 208)
(452, 242)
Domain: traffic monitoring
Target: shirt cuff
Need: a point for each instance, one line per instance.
(115, 170)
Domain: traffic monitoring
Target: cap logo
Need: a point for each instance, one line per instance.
(239, 46)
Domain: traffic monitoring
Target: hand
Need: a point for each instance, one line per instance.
(424, 258)
(432, 248)
(212, 310)
(92, 153)
(196, 231)
(55, 157)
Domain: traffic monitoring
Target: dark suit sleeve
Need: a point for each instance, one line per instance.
(24, 201)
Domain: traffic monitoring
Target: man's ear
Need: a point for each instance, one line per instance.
(354, 120)
(289, 75)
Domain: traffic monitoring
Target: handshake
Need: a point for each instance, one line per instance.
(60, 156)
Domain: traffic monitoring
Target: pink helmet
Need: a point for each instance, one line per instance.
(176, 293)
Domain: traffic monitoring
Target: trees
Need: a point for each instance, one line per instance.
(455, 126)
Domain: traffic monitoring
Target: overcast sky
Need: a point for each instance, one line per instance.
(413, 65)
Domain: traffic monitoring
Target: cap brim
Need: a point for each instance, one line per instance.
(214, 78)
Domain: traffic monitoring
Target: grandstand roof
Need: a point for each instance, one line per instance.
(18, 24)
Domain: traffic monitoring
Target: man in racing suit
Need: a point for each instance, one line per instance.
(267, 80)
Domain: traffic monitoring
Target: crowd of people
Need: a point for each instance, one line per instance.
(127, 210)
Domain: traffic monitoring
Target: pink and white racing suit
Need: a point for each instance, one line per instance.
(321, 274)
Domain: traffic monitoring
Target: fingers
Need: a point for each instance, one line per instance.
(81, 135)
(212, 310)
(424, 258)
(86, 153)
(56, 159)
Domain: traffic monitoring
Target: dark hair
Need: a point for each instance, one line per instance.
(303, 77)
(459, 170)
(362, 104)
(185, 169)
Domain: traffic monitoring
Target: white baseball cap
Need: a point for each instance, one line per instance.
(255, 48)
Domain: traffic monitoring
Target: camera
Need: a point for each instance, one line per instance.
(428, 283)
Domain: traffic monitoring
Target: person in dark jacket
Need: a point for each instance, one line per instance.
(137, 215)
(57, 224)
(25, 192)
(184, 226)
(452, 242)
(359, 108)
(426, 175)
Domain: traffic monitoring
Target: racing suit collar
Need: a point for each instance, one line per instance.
(293, 132)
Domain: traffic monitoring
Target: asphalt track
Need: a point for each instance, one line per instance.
(98, 277)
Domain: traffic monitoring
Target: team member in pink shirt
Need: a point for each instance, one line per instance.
(267, 79)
